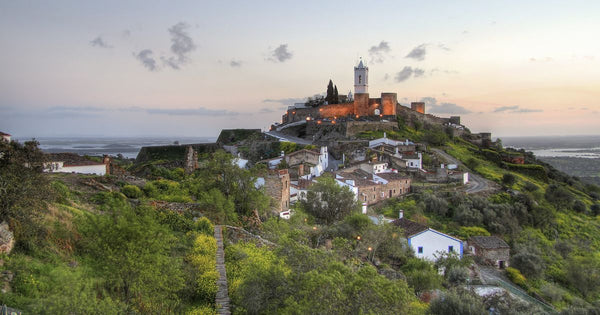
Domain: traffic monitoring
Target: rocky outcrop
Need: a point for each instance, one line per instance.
(7, 239)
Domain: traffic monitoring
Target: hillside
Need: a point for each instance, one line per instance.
(90, 244)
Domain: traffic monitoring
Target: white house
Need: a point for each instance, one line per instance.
(428, 243)
(74, 163)
(4, 136)
(414, 161)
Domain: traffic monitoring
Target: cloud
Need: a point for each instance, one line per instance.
(181, 45)
(266, 110)
(528, 110)
(286, 101)
(200, 111)
(443, 108)
(407, 72)
(379, 52)
(443, 47)
(235, 63)
(280, 54)
(99, 42)
(418, 72)
(145, 57)
(516, 109)
(76, 109)
(386, 77)
(418, 53)
(505, 108)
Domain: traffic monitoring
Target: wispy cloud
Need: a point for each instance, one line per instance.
(181, 46)
(418, 53)
(145, 57)
(516, 109)
(100, 42)
(505, 108)
(408, 72)
(199, 111)
(286, 101)
(235, 63)
(443, 108)
(379, 52)
(280, 54)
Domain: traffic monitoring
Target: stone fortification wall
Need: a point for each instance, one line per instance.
(355, 127)
(388, 103)
(336, 110)
(172, 152)
(410, 116)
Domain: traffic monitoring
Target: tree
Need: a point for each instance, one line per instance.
(132, 251)
(457, 302)
(330, 93)
(336, 96)
(23, 190)
(329, 202)
(508, 179)
(529, 263)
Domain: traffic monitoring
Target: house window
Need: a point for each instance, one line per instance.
(450, 249)
(420, 250)
(365, 197)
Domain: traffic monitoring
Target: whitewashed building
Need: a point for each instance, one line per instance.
(73, 163)
(4, 136)
(428, 243)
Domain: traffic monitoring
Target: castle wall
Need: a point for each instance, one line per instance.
(361, 104)
(388, 103)
(336, 110)
(418, 107)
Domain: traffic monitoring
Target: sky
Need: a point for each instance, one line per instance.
(192, 68)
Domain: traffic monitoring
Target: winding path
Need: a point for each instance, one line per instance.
(476, 182)
(222, 298)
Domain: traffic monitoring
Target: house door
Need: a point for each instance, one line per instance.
(390, 195)
(501, 264)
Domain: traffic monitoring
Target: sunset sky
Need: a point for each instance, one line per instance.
(192, 68)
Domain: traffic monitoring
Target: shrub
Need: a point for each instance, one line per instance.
(531, 187)
(508, 179)
(516, 277)
(529, 263)
(457, 302)
(132, 191)
(61, 190)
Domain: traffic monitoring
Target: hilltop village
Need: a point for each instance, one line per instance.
(349, 205)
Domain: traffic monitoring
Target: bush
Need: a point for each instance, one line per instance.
(528, 263)
(531, 187)
(457, 302)
(61, 191)
(508, 179)
(132, 191)
(516, 277)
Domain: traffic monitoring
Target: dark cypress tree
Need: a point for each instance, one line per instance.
(336, 97)
(329, 97)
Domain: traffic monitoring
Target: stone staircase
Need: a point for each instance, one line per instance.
(222, 298)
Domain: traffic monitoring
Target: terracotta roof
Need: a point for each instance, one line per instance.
(358, 178)
(4, 134)
(410, 227)
(313, 151)
(392, 176)
(489, 242)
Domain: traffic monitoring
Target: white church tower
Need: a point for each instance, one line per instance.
(361, 78)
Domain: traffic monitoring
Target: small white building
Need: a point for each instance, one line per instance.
(428, 243)
(74, 163)
(4, 136)
(414, 161)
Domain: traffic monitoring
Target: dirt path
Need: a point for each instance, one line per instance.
(476, 182)
(222, 298)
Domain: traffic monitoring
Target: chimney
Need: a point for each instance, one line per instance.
(364, 208)
(401, 214)
(384, 134)
(282, 153)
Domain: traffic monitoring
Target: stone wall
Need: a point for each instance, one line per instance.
(7, 240)
(493, 256)
(378, 192)
(355, 127)
(336, 110)
(277, 186)
(388, 103)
